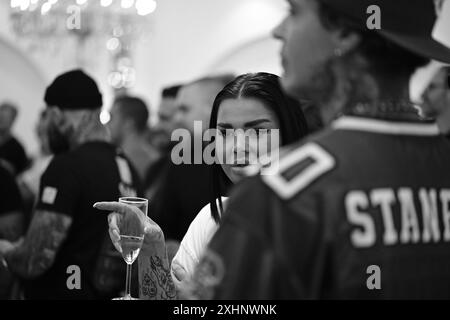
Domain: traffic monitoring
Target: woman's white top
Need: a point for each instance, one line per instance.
(193, 245)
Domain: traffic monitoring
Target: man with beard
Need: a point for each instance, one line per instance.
(360, 210)
(66, 238)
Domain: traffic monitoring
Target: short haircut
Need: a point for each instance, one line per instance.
(12, 107)
(135, 109)
(171, 92)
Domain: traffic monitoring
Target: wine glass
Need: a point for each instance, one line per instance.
(131, 226)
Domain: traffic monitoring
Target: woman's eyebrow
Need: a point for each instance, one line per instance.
(246, 124)
(225, 125)
(256, 122)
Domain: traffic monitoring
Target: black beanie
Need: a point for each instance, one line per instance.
(73, 90)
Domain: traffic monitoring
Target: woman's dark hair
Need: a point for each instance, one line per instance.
(266, 88)
(385, 57)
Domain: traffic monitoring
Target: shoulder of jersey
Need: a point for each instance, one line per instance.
(298, 169)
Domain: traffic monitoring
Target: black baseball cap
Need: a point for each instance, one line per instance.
(73, 90)
(408, 23)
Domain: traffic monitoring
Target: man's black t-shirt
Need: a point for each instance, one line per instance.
(10, 199)
(14, 153)
(72, 183)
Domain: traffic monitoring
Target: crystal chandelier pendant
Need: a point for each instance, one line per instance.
(112, 26)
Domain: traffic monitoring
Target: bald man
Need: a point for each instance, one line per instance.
(195, 100)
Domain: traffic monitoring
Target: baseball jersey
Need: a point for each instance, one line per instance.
(359, 211)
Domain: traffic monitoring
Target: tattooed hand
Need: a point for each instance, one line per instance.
(148, 287)
(153, 233)
(155, 278)
(163, 277)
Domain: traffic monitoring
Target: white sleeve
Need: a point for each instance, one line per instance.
(192, 246)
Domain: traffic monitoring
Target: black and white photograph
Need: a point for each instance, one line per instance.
(224, 157)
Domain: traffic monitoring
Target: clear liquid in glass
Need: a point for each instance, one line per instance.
(131, 245)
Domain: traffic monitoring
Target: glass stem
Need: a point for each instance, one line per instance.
(128, 282)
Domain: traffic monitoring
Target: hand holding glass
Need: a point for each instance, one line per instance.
(130, 222)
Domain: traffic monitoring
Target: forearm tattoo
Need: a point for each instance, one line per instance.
(11, 226)
(156, 281)
(47, 232)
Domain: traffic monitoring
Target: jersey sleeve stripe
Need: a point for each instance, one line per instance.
(323, 162)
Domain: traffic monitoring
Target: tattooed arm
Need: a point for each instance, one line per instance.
(155, 280)
(36, 254)
(11, 226)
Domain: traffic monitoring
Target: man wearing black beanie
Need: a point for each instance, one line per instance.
(67, 253)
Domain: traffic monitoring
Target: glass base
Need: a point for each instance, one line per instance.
(125, 298)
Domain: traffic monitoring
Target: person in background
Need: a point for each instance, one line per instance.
(250, 102)
(29, 180)
(67, 236)
(31, 177)
(166, 111)
(360, 210)
(11, 225)
(12, 153)
(128, 127)
(159, 136)
(436, 100)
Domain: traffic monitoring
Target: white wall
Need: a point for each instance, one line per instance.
(22, 84)
(190, 38)
(258, 55)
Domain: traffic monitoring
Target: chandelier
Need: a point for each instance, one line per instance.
(111, 25)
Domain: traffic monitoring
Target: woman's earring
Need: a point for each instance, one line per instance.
(338, 52)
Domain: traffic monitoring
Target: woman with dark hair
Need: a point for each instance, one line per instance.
(248, 108)
(252, 101)
(248, 95)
